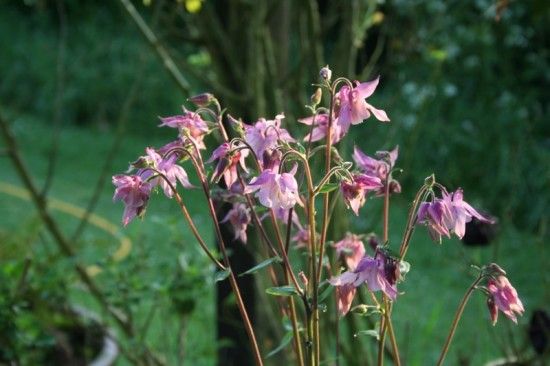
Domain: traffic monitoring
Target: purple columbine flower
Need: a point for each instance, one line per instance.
(134, 192)
(239, 218)
(265, 135)
(504, 297)
(275, 190)
(227, 163)
(168, 167)
(448, 214)
(190, 122)
(352, 249)
(351, 107)
(462, 213)
(355, 191)
(435, 215)
(371, 271)
(380, 167)
(320, 128)
(376, 167)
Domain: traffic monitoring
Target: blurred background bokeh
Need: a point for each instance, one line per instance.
(82, 84)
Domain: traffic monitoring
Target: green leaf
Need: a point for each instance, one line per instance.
(370, 332)
(326, 292)
(282, 291)
(328, 187)
(284, 342)
(261, 265)
(221, 275)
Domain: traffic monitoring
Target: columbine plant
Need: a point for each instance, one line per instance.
(266, 175)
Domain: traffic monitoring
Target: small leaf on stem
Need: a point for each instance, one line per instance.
(282, 291)
(261, 265)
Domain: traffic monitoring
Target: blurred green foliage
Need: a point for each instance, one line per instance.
(87, 52)
(467, 93)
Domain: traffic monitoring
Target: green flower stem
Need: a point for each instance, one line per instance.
(458, 315)
(199, 165)
(386, 323)
(420, 196)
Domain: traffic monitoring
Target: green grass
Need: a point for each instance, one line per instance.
(438, 278)
(158, 240)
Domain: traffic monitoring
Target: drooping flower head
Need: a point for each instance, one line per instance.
(435, 215)
(265, 135)
(376, 167)
(504, 297)
(239, 218)
(351, 107)
(462, 212)
(355, 191)
(372, 272)
(352, 249)
(167, 166)
(447, 215)
(275, 190)
(189, 124)
(228, 159)
(134, 192)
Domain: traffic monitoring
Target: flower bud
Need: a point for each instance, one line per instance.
(303, 278)
(430, 181)
(236, 124)
(316, 97)
(496, 269)
(202, 100)
(141, 163)
(326, 73)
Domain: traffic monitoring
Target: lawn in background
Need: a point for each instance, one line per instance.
(438, 278)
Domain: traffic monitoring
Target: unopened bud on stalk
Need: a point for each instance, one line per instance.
(316, 97)
(140, 163)
(430, 181)
(326, 73)
(202, 100)
(496, 269)
(303, 278)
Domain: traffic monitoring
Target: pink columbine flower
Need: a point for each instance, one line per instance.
(355, 191)
(351, 107)
(369, 270)
(275, 190)
(352, 249)
(448, 214)
(168, 167)
(134, 192)
(376, 167)
(320, 128)
(227, 163)
(462, 213)
(188, 123)
(265, 135)
(380, 167)
(504, 297)
(239, 218)
(435, 215)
